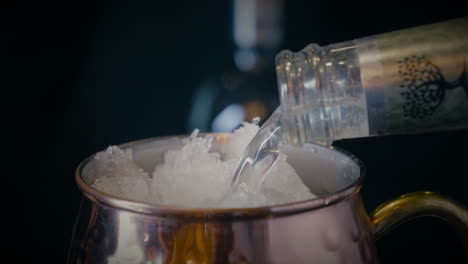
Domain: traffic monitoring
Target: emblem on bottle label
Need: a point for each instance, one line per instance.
(416, 79)
(424, 86)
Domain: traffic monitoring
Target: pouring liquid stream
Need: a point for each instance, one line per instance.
(260, 156)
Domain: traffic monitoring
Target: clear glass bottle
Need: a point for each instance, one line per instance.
(408, 81)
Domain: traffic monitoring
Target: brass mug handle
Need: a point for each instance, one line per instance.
(408, 206)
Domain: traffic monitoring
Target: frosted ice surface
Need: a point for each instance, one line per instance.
(283, 184)
(119, 175)
(193, 176)
(239, 140)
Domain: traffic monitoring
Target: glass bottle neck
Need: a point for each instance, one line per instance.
(321, 94)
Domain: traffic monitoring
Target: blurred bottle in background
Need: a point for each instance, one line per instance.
(246, 87)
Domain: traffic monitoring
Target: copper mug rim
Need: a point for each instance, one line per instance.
(109, 200)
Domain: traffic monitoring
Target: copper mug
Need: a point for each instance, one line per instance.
(334, 228)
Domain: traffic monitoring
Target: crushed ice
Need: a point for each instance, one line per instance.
(194, 176)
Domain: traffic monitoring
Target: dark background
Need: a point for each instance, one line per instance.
(78, 76)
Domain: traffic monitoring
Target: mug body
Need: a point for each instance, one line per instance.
(333, 228)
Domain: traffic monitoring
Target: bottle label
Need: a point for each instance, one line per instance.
(417, 79)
